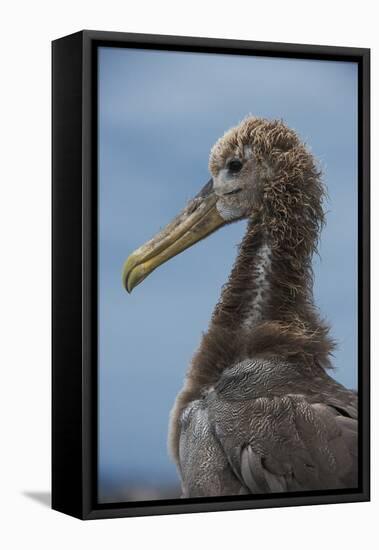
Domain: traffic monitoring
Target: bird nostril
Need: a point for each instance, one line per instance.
(193, 205)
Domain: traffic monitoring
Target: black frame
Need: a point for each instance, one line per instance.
(74, 333)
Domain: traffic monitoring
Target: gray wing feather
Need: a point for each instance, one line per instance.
(291, 444)
(266, 428)
(296, 436)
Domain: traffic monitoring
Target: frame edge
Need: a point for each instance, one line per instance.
(67, 463)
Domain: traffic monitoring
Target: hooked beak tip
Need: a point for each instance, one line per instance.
(126, 271)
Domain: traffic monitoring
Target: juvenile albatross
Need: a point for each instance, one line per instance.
(258, 412)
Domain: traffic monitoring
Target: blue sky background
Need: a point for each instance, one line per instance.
(159, 115)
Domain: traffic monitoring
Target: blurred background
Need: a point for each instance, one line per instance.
(159, 114)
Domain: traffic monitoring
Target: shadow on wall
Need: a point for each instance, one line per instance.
(42, 497)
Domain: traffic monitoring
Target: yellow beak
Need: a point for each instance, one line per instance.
(199, 219)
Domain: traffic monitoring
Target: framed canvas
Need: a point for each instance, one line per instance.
(229, 180)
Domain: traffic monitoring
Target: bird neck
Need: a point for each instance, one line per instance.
(270, 282)
(266, 310)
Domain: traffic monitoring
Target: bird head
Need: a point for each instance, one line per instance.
(244, 164)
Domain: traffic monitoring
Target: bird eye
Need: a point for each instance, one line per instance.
(234, 166)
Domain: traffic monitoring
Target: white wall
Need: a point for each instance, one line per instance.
(26, 31)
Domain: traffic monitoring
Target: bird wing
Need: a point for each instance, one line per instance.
(204, 467)
(287, 443)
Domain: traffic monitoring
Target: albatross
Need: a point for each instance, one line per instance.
(258, 412)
